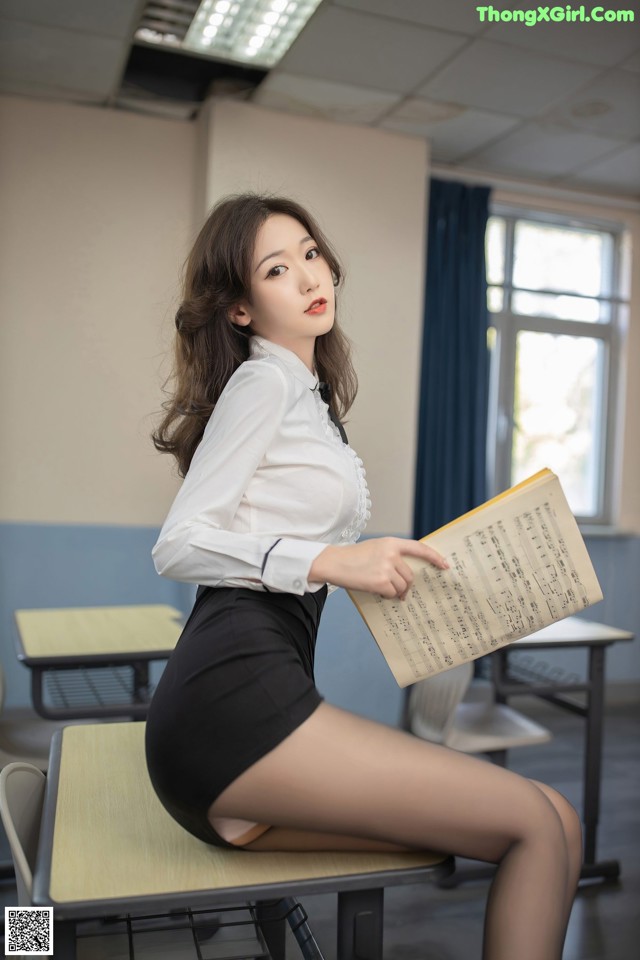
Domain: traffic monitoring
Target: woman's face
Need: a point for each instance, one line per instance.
(288, 276)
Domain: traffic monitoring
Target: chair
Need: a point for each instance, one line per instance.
(21, 795)
(461, 713)
(23, 736)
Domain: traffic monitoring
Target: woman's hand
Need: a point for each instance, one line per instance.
(377, 566)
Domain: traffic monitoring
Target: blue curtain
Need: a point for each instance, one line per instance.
(451, 463)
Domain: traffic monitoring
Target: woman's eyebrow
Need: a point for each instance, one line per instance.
(278, 253)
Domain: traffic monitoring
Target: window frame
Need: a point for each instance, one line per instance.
(508, 325)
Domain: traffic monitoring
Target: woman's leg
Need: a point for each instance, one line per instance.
(339, 774)
(572, 829)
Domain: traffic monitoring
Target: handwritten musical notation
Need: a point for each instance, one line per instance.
(516, 564)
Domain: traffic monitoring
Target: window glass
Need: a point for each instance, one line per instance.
(548, 257)
(556, 413)
(495, 240)
(558, 315)
(495, 299)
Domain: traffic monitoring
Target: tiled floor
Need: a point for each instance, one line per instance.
(426, 923)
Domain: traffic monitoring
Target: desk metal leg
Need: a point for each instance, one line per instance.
(593, 751)
(36, 692)
(609, 869)
(64, 940)
(360, 924)
(272, 922)
(140, 681)
(593, 714)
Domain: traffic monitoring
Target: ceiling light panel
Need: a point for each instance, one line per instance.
(256, 32)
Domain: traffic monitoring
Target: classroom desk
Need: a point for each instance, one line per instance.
(107, 847)
(573, 632)
(93, 662)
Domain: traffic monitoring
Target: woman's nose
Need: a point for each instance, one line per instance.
(308, 280)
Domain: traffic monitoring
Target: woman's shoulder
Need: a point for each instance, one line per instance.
(261, 380)
(257, 390)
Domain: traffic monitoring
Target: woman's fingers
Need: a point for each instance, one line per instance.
(398, 585)
(402, 578)
(421, 550)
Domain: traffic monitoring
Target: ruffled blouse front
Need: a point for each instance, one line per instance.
(352, 532)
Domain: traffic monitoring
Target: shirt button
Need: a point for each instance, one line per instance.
(297, 584)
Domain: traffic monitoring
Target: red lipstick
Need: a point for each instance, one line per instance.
(317, 306)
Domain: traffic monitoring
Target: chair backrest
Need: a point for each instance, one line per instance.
(21, 799)
(433, 702)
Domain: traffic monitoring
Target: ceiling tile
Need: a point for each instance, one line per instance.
(619, 173)
(117, 18)
(609, 107)
(452, 131)
(633, 63)
(322, 98)
(600, 44)
(350, 47)
(541, 149)
(66, 59)
(459, 16)
(504, 79)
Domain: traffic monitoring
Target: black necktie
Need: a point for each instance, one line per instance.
(325, 393)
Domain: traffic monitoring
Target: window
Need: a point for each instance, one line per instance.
(555, 306)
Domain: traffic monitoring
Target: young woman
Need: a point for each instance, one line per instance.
(241, 748)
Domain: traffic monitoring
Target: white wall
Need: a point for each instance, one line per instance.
(96, 214)
(367, 189)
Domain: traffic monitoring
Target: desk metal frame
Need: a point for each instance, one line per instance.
(507, 685)
(73, 678)
(101, 675)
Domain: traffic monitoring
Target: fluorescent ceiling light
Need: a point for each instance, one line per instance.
(256, 32)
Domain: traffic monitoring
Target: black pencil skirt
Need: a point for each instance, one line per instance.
(239, 681)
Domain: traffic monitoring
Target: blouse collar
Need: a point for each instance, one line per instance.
(259, 347)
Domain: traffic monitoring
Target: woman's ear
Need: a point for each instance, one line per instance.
(239, 315)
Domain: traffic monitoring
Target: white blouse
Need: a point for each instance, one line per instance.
(271, 484)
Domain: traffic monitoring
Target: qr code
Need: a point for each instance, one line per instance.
(28, 931)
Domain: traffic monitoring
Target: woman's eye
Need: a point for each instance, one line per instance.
(314, 251)
(272, 272)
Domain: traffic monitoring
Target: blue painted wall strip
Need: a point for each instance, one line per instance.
(47, 565)
(44, 565)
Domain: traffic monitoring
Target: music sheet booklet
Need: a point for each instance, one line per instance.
(517, 564)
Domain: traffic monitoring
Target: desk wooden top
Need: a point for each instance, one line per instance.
(96, 631)
(114, 840)
(573, 631)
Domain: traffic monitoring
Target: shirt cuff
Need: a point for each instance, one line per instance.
(287, 566)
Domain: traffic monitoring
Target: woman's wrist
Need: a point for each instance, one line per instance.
(320, 570)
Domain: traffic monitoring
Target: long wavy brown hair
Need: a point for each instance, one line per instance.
(208, 346)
